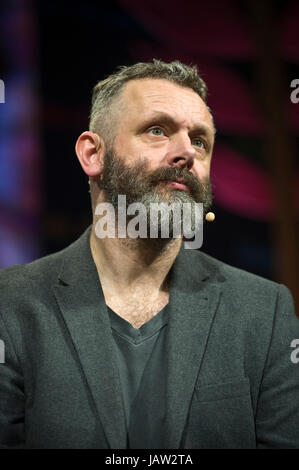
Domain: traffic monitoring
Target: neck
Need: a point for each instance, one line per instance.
(125, 264)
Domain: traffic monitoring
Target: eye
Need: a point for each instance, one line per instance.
(198, 142)
(156, 131)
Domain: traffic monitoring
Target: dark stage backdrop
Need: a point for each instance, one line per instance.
(51, 55)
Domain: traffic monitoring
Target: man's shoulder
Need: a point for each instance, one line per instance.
(238, 286)
(42, 271)
(20, 275)
(229, 276)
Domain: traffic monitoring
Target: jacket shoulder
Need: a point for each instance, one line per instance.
(220, 271)
(242, 290)
(19, 276)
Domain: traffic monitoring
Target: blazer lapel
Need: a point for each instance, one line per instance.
(82, 305)
(193, 302)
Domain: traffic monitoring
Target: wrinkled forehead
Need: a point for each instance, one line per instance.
(144, 96)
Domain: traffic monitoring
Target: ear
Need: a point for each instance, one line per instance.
(90, 150)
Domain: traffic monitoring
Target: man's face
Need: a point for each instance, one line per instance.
(166, 124)
(162, 148)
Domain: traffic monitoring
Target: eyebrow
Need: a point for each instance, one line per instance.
(169, 120)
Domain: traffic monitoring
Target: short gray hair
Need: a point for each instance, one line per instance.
(105, 91)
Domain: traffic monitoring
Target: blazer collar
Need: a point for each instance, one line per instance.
(82, 305)
(194, 296)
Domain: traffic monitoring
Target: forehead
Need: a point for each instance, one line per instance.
(145, 96)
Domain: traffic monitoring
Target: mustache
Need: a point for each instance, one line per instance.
(196, 186)
(113, 165)
(173, 173)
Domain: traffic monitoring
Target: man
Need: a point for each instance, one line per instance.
(124, 342)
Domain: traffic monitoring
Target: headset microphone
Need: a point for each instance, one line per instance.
(210, 217)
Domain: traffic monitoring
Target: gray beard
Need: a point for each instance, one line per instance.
(140, 185)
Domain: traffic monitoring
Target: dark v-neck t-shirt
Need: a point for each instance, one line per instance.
(141, 356)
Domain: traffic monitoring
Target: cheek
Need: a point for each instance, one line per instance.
(128, 147)
(134, 150)
(202, 169)
(121, 145)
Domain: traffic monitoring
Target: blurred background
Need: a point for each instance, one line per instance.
(53, 52)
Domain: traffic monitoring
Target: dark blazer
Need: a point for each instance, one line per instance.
(231, 382)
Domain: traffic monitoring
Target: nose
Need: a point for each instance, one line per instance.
(181, 152)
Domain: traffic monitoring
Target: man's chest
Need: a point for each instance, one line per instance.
(138, 310)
